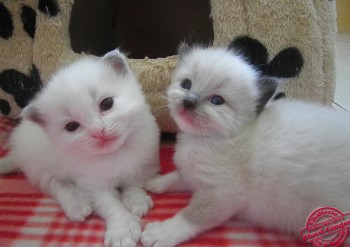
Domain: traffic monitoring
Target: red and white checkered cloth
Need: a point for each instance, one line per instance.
(30, 218)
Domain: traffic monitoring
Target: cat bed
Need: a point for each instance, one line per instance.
(30, 218)
(291, 40)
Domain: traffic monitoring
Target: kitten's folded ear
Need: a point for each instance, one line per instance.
(266, 87)
(118, 61)
(183, 50)
(30, 112)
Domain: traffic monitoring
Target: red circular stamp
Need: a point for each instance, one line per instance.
(325, 227)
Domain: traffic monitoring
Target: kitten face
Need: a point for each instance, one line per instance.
(91, 107)
(213, 93)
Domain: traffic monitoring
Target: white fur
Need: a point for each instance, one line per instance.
(73, 167)
(272, 170)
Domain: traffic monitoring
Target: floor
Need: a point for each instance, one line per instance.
(342, 93)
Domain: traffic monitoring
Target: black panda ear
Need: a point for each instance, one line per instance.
(183, 50)
(286, 64)
(267, 88)
(30, 112)
(254, 52)
(118, 61)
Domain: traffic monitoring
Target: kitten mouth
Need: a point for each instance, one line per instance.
(106, 141)
(185, 116)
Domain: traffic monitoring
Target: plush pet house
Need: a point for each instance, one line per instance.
(292, 40)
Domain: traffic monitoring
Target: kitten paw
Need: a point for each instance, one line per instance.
(170, 182)
(125, 233)
(159, 234)
(138, 203)
(77, 209)
(157, 185)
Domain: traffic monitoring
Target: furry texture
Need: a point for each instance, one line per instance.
(271, 169)
(90, 141)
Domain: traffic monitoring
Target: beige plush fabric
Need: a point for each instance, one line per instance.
(52, 45)
(154, 75)
(17, 50)
(308, 25)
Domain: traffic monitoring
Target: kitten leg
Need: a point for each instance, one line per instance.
(205, 211)
(123, 229)
(170, 182)
(72, 200)
(136, 200)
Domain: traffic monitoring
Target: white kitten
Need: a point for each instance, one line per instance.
(271, 169)
(90, 141)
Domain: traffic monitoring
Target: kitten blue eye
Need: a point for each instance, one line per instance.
(106, 104)
(71, 126)
(186, 84)
(217, 100)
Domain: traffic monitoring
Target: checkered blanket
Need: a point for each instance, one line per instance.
(30, 218)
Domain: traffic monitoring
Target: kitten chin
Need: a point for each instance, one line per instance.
(88, 132)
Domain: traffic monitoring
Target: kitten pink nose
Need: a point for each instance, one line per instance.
(102, 136)
(98, 133)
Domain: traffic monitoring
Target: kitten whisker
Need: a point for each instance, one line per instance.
(164, 96)
(114, 127)
(29, 91)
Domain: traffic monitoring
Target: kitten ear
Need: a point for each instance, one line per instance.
(31, 113)
(118, 61)
(266, 88)
(183, 50)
